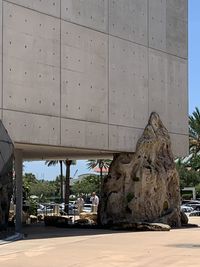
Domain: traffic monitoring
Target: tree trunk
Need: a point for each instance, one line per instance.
(67, 184)
(61, 181)
(101, 180)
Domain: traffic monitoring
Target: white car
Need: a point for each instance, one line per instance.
(87, 208)
(186, 208)
(195, 213)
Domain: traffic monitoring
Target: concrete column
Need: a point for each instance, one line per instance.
(19, 190)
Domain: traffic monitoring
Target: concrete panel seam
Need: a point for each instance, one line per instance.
(167, 53)
(7, 1)
(147, 46)
(48, 115)
(124, 39)
(32, 113)
(87, 27)
(182, 134)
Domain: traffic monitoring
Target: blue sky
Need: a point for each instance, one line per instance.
(49, 173)
(43, 172)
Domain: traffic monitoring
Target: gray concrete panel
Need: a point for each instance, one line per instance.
(32, 128)
(168, 90)
(168, 26)
(157, 24)
(50, 7)
(128, 20)
(1, 89)
(83, 134)
(31, 61)
(89, 13)
(180, 145)
(176, 36)
(178, 8)
(84, 62)
(128, 84)
(123, 139)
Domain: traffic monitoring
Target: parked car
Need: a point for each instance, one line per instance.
(195, 213)
(185, 208)
(87, 208)
(45, 209)
(194, 204)
(72, 209)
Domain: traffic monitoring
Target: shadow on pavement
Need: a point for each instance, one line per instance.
(40, 231)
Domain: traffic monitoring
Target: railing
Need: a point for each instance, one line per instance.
(49, 209)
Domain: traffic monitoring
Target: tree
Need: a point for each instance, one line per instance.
(29, 180)
(194, 163)
(88, 184)
(68, 164)
(43, 189)
(188, 176)
(194, 131)
(53, 163)
(101, 164)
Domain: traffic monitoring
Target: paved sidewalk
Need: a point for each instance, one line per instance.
(103, 248)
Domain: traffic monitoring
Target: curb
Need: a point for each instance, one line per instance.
(12, 238)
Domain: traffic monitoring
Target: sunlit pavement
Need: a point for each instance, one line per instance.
(53, 247)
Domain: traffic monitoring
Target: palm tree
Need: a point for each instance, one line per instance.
(53, 163)
(194, 131)
(101, 164)
(68, 164)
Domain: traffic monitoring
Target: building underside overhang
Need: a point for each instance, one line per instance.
(43, 152)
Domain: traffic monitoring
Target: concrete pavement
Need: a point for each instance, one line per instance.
(102, 248)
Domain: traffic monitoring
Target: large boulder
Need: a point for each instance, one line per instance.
(143, 186)
(6, 182)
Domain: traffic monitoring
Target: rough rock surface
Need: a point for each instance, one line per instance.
(6, 182)
(143, 186)
(143, 227)
(184, 218)
(88, 215)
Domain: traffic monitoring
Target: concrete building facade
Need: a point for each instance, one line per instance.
(79, 78)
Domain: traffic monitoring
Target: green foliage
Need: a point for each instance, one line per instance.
(32, 210)
(186, 196)
(194, 131)
(129, 197)
(86, 185)
(40, 188)
(136, 179)
(194, 163)
(188, 176)
(189, 168)
(165, 205)
(100, 163)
